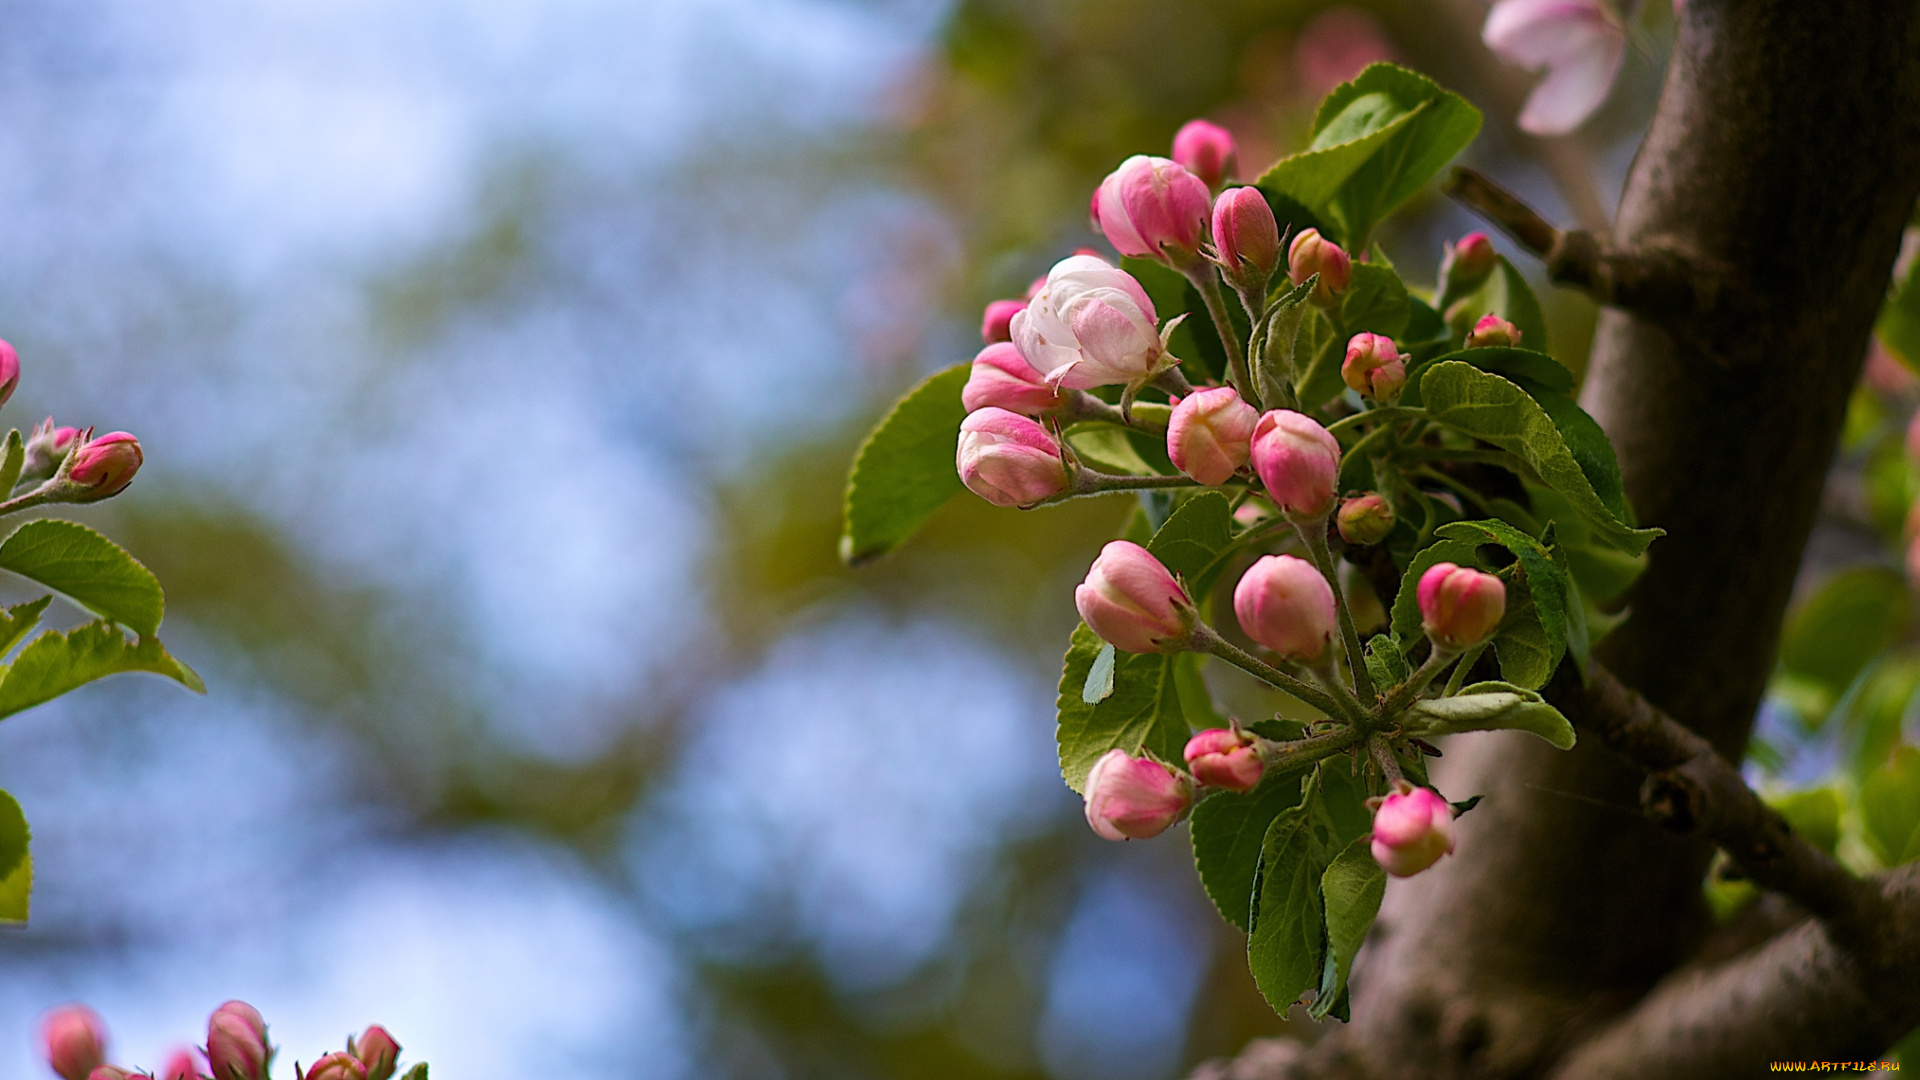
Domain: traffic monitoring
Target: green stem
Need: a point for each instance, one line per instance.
(1383, 757)
(1276, 756)
(1460, 673)
(1205, 280)
(1437, 661)
(36, 497)
(1389, 414)
(1087, 482)
(1459, 489)
(1082, 407)
(1314, 535)
(1207, 640)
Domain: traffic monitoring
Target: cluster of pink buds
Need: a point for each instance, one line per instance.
(73, 465)
(75, 1043)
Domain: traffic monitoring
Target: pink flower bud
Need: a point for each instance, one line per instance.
(47, 446)
(1375, 367)
(1412, 829)
(1205, 150)
(1913, 439)
(996, 325)
(1153, 208)
(338, 1065)
(1467, 264)
(1285, 604)
(1246, 237)
(183, 1064)
(1130, 798)
(1298, 461)
(75, 1041)
(9, 371)
(1090, 325)
(1460, 607)
(1226, 759)
(1009, 460)
(1210, 435)
(1131, 601)
(1365, 519)
(377, 1050)
(1002, 379)
(237, 1047)
(105, 466)
(1492, 331)
(1310, 254)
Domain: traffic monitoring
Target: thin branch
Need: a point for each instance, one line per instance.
(1691, 788)
(1208, 640)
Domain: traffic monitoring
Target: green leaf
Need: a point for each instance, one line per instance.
(1195, 340)
(54, 663)
(1506, 294)
(1493, 409)
(13, 458)
(1852, 617)
(1099, 677)
(905, 470)
(90, 569)
(418, 1072)
(1385, 662)
(1278, 340)
(1194, 538)
(1143, 713)
(14, 834)
(1890, 805)
(1287, 940)
(1814, 814)
(16, 890)
(1107, 448)
(1377, 140)
(1375, 302)
(1489, 706)
(1228, 829)
(17, 621)
(1537, 373)
(1533, 635)
(1351, 891)
(1196, 701)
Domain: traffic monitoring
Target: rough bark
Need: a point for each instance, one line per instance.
(1784, 159)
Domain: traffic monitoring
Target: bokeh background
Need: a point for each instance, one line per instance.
(498, 363)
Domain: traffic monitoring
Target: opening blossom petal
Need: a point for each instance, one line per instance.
(1580, 43)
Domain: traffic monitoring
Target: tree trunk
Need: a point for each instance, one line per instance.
(1782, 165)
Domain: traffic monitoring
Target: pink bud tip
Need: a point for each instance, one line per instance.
(1130, 798)
(106, 465)
(1375, 367)
(1153, 208)
(182, 1064)
(1471, 260)
(1207, 151)
(1412, 829)
(997, 323)
(336, 1066)
(1132, 602)
(1460, 607)
(9, 371)
(1282, 602)
(1492, 331)
(378, 1051)
(1246, 237)
(1223, 758)
(1210, 436)
(1298, 461)
(74, 1039)
(1365, 519)
(1009, 460)
(1310, 254)
(237, 1042)
(1002, 379)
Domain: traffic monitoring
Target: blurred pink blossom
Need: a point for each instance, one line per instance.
(1580, 43)
(1334, 46)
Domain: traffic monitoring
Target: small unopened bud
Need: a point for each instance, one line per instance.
(1091, 325)
(1298, 461)
(1460, 607)
(1132, 602)
(1310, 254)
(1153, 208)
(47, 447)
(1412, 829)
(1493, 331)
(1009, 460)
(1002, 379)
(182, 1064)
(1224, 758)
(74, 1038)
(1375, 367)
(338, 1065)
(1467, 264)
(997, 323)
(237, 1047)
(104, 467)
(377, 1050)
(1284, 603)
(1130, 798)
(1210, 435)
(9, 371)
(1247, 239)
(1207, 151)
(1365, 519)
